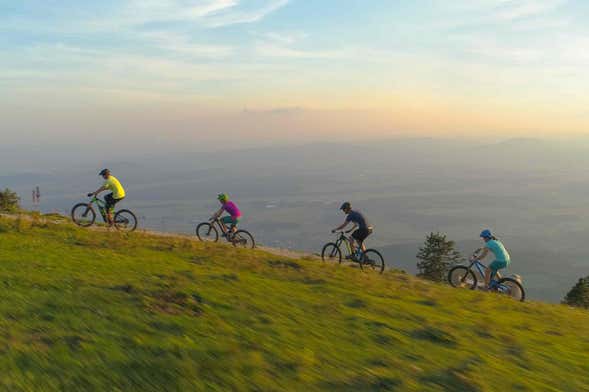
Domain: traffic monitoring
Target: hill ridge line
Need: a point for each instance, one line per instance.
(295, 254)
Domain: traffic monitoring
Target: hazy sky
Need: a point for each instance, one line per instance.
(190, 70)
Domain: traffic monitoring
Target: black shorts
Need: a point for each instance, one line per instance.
(361, 234)
(111, 201)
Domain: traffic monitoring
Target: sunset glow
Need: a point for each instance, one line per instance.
(267, 68)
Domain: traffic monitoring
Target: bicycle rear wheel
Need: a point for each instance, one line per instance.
(125, 220)
(206, 232)
(83, 214)
(374, 260)
(331, 252)
(462, 277)
(512, 288)
(243, 239)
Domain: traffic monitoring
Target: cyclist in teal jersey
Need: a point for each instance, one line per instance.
(496, 247)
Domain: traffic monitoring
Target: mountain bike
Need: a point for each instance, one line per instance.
(83, 214)
(465, 277)
(209, 232)
(333, 251)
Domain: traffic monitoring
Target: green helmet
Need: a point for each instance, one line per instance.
(223, 197)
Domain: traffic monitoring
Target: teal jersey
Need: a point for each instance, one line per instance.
(497, 248)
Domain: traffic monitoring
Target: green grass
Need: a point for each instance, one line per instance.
(93, 310)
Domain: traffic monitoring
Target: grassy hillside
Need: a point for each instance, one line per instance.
(89, 310)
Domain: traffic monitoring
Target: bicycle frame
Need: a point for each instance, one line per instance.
(101, 204)
(344, 239)
(221, 225)
(480, 268)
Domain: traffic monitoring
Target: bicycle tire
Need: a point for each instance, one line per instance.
(465, 272)
(374, 259)
(89, 210)
(125, 223)
(206, 232)
(515, 283)
(331, 252)
(244, 239)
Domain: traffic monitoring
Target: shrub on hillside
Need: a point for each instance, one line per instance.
(436, 257)
(579, 294)
(9, 201)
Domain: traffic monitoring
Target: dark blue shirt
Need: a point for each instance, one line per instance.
(357, 218)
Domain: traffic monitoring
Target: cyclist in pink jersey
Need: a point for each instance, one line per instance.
(231, 208)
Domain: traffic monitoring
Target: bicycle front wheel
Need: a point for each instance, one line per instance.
(243, 239)
(83, 214)
(374, 260)
(462, 277)
(331, 252)
(125, 220)
(206, 232)
(512, 288)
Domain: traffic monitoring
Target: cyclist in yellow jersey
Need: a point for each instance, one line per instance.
(117, 192)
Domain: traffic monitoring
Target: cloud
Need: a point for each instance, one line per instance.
(284, 45)
(520, 9)
(141, 12)
(267, 49)
(207, 13)
(244, 16)
(65, 68)
(277, 111)
(181, 44)
(123, 16)
(283, 38)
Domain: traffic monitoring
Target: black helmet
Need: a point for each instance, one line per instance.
(346, 206)
(104, 172)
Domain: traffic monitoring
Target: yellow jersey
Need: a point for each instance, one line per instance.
(113, 185)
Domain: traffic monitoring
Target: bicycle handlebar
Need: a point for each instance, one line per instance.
(342, 231)
(475, 255)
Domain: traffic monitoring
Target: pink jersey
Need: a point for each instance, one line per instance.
(232, 209)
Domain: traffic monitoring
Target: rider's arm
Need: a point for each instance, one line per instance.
(102, 188)
(340, 226)
(484, 253)
(218, 213)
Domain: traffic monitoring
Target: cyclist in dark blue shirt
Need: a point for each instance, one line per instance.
(363, 228)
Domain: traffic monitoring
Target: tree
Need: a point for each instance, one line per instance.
(579, 294)
(436, 257)
(9, 201)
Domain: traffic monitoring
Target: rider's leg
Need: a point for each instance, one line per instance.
(353, 244)
(230, 224)
(109, 207)
(362, 243)
(360, 236)
(487, 276)
(226, 221)
(233, 226)
(234, 222)
(492, 271)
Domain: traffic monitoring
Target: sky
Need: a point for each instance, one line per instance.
(190, 72)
